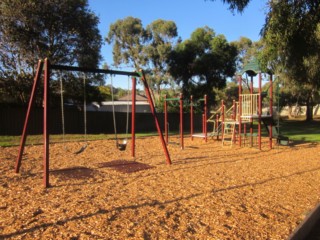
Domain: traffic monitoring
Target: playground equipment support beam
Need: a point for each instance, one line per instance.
(240, 110)
(166, 120)
(259, 111)
(26, 123)
(154, 113)
(46, 124)
(205, 117)
(271, 110)
(133, 117)
(191, 117)
(181, 121)
(93, 70)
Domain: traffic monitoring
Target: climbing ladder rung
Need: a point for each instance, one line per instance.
(229, 133)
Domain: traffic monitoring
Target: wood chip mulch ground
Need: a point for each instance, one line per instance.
(209, 192)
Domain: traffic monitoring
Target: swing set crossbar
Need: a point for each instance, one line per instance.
(94, 70)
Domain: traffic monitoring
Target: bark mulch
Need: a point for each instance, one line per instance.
(209, 192)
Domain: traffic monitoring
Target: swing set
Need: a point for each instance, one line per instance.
(120, 145)
(45, 67)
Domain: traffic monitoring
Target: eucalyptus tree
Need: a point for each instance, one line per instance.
(128, 38)
(164, 36)
(236, 5)
(148, 48)
(65, 31)
(291, 36)
(203, 62)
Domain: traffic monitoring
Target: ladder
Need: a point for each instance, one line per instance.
(229, 133)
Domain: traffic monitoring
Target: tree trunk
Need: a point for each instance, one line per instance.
(309, 110)
(290, 112)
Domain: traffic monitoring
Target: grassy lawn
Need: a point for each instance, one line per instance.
(7, 141)
(300, 130)
(297, 129)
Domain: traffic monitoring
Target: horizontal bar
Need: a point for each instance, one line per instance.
(93, 70)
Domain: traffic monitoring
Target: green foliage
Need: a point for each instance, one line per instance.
(64, 31)
(128, 37)
(238, 5)
(105, 92)
(291, 34)
(229, 94)
(202, 63)
(144, 48)
(163, 35)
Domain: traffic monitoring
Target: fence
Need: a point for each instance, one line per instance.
(12, 120)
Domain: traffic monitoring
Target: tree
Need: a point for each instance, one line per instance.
(128, 37)
(238, 5)
(291, 34)
(203, 62)
(144, 48)
(163, 36)
(65, 31)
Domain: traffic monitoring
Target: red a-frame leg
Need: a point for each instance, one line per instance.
(153, 111)
(26, 122)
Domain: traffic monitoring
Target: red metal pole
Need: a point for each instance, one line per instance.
(240, 109)
(234, 110)
(251, 119)
(46, 123)
(222, 118)
(181, 122)
(26, 122)
(271, 110)
(260, 111)
(154, 113)
(203, 123)
(217, 126)
(166, 120)
(205, 117)
(191, 117)
(133, 118)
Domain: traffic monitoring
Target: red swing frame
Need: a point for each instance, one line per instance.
(46, 67)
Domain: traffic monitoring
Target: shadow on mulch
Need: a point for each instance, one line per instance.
(74, 173)
(125, 166)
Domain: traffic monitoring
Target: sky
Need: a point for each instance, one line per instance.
(187, 14)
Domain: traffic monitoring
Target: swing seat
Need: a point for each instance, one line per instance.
(81, 149)
(122, 146)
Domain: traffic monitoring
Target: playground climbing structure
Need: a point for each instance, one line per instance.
(235, 125)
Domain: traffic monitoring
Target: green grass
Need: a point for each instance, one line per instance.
(301, 130)
(296, 130)
(8, 141)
